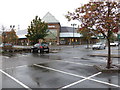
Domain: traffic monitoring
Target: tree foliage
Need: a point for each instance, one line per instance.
(9, 37)
(86, 35)
(98, 17)
(37, 30)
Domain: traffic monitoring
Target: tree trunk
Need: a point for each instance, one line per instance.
(109, 61)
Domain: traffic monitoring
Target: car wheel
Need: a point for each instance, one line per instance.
(47, 51)
(32, 50)
(39, 51)
(100, 48)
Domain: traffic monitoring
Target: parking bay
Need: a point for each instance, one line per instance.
(68, 70)
(57, 74)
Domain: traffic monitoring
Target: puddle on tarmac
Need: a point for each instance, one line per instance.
(85, 59)
(9, 55)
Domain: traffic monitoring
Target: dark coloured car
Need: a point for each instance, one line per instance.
(40, 48)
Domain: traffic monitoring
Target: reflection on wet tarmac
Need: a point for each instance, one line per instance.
(47, 56)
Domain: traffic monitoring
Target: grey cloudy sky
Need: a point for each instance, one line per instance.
(21, 12)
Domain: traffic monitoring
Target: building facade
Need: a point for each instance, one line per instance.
(69, 36)
(53, 29)
(57, 34)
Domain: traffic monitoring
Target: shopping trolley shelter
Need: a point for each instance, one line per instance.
(68, 68)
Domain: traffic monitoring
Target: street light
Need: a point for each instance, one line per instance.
(3, 35)
(73, 32)
(12, 27)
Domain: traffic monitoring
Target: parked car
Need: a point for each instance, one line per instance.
(9, 45)
(6, 47)
(40, 48)
(114, 44)
(99, 46)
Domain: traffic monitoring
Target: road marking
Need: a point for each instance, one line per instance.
(110, 84)
(48, 62)
(70, 73)
(5, 57)
(76, 57)
(76, 75)
(15, 67)
(24, 65)
(15, 80)
(59, 71)
(67, 86)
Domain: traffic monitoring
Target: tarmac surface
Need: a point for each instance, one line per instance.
(68, 68)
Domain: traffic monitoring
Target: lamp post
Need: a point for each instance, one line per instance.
(11, 30)
(3, 35)
(73, 33)
(12, 27)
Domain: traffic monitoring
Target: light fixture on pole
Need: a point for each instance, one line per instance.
(73, 33)
(3, 35)
(12, 27)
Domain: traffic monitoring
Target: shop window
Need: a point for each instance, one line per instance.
(76, 40)
(72, 40)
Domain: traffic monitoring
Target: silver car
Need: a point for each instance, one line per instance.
(99, 46)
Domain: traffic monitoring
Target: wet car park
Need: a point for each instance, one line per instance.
(69, 68)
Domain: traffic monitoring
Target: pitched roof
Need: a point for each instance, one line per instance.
(21, 33)
(49, 18)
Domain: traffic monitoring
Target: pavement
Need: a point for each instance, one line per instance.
(70, 68)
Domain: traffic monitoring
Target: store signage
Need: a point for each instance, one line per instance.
(51, 26)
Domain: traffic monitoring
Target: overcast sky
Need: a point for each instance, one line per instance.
(22, 12)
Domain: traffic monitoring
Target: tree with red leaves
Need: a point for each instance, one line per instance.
(99, 17)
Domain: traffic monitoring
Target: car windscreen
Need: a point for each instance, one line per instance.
(44, 44)
(37, 45)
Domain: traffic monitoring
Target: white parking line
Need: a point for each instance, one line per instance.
(15, 80)
(24, 65)
(15, 67)
(67, 86)
(110, 84)
(69, 73)
(76, 57)
(48, 62)
(59, 71)
(77, 75)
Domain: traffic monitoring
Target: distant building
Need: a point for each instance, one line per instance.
(104, 0)
(53, 31)
(53, 28)
(57, 34)
(0, 37)
(9, 37)
(68, 36)
(22, 39)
